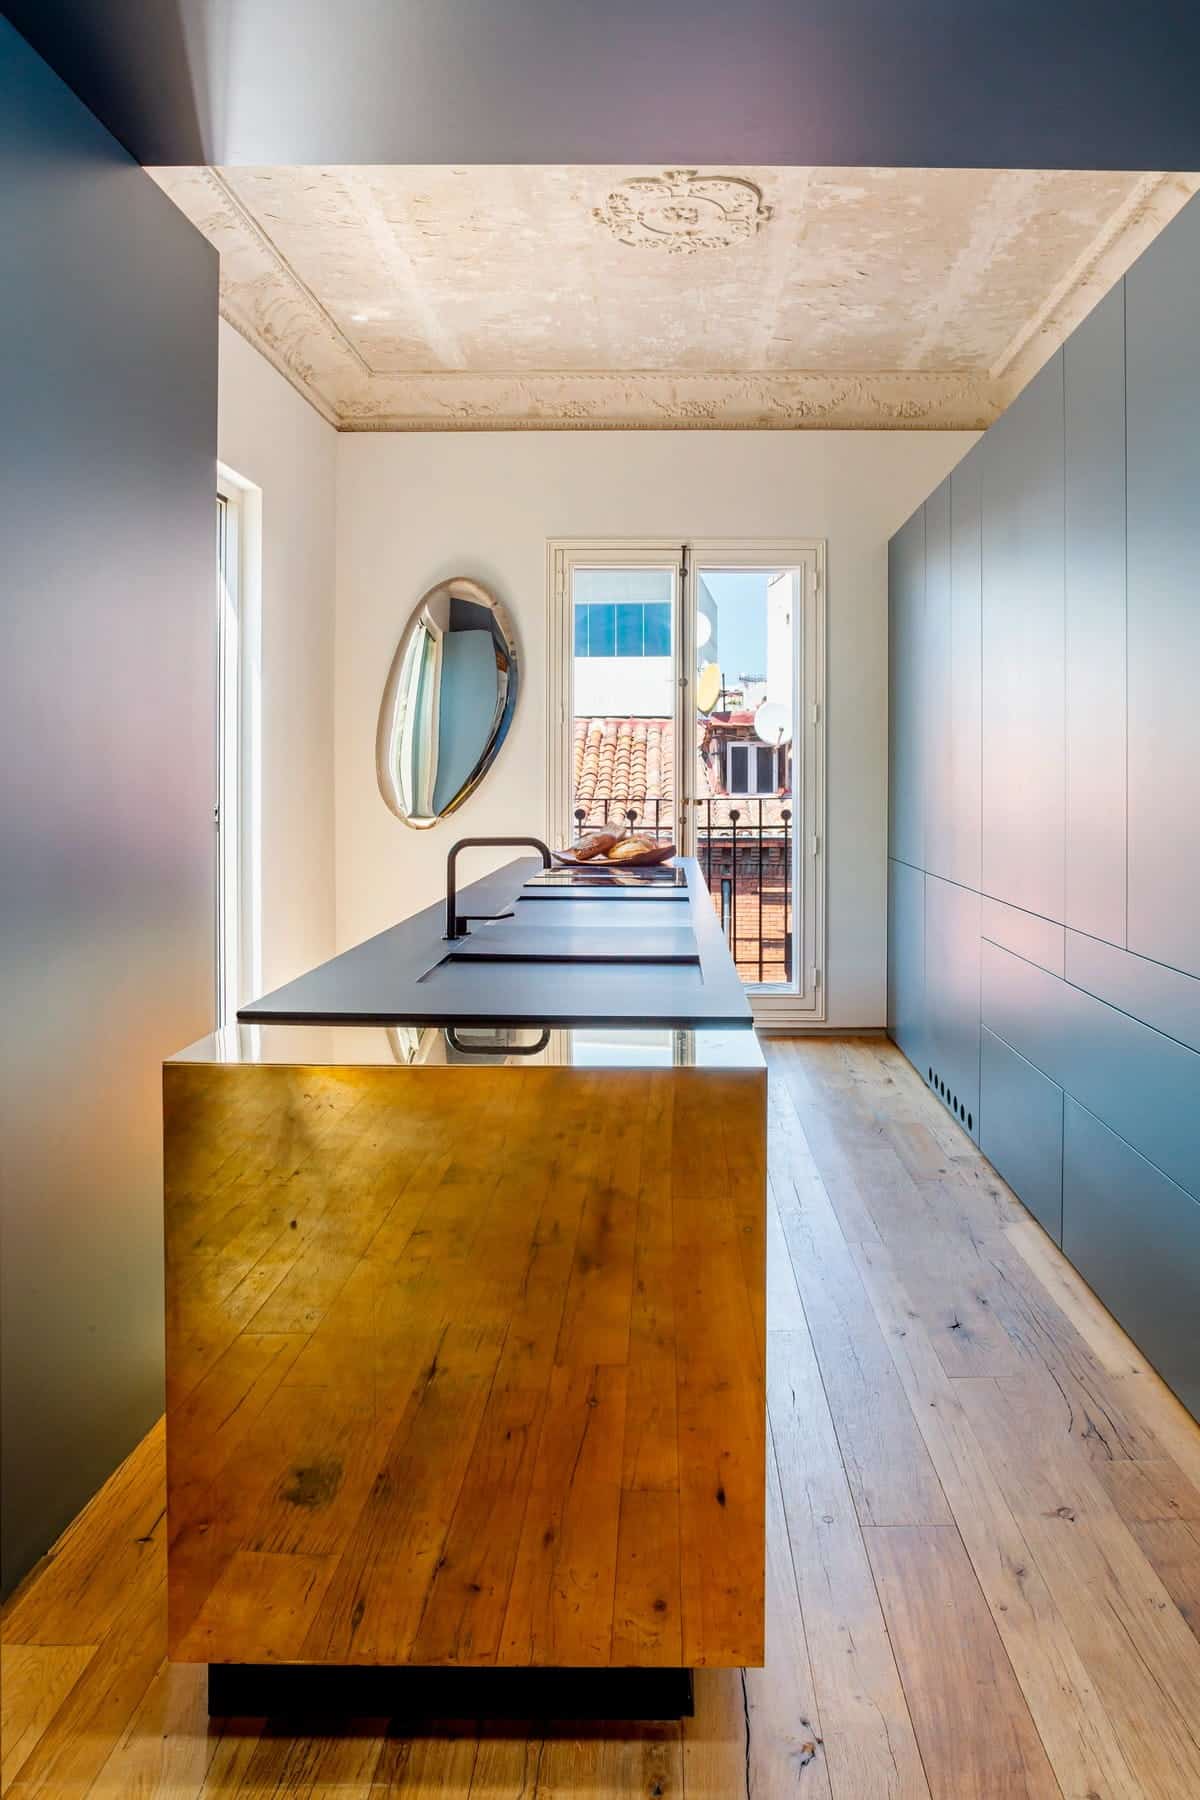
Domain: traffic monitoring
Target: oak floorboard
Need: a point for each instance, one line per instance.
(1118, 1354)
(609, 1762)
(1095, 1615)
(868, 1737)
(34, 1681)
(90, 1722)
(1130, 1635)
(887, 1464)
(1173, 1426)
(339, 1765)
(1172, 1548)
(757, 1731)
(985, 1310)
(72, 1595)
(714, 1738)
(425, 1768)
(977, 1739)
(1067, 1709)
(506, 1766)
(168, 1745)
(787, 1749)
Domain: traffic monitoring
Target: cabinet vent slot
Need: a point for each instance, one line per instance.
(957, 1107)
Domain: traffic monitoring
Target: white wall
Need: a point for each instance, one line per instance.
(415, 508)
(272, 438)
(642, 685)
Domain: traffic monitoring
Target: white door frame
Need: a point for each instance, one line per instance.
(239, 801)
(775, 1008)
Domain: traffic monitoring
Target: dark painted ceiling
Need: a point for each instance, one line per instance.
(917, 83)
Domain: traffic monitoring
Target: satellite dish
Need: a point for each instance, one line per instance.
(773, 723)
(708, 687)
(703, 630)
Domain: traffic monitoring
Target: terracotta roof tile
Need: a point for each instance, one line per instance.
(628, 764)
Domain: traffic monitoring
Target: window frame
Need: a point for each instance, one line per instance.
(758, 792)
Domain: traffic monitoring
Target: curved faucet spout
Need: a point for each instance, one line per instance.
(456, 922)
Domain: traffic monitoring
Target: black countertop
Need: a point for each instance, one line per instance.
(399, 977)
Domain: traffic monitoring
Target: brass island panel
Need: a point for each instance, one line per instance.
(465, 1364)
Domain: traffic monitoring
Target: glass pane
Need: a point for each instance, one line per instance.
(658, 630)
(624, 692)
(630, 630)
(601, 631)
(746, 625)
(611, 585)
(581, 630)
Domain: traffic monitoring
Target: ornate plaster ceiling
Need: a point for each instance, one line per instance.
(406, 298)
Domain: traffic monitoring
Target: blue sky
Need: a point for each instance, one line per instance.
(741, 597)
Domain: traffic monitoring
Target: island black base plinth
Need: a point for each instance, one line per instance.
(425, 1696)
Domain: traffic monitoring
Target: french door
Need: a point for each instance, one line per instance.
(686, 703)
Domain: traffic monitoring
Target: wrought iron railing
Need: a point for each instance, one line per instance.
(746, 857)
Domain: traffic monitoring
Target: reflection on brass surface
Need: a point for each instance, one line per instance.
(448, 701)
(465, 1364)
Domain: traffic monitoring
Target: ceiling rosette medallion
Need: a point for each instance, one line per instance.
(681, 211)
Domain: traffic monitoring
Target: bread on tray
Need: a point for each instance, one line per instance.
(596, 843)
(628, 847)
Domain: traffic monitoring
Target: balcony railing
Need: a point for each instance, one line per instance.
(744, 846)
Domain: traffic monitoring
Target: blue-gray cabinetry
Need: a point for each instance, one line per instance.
(935, 685)
(907, 716)
(1021, 1129)
(1094, 413)
(1024, 758)
(1135, 1236)
(906, 969)
(1163, 436)
(962, 747)
(1044, 904)
(952, 996)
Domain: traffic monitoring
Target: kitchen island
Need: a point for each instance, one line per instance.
(465, 1303)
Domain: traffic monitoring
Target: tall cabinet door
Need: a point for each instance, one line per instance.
(907, 715)
(952, 996)
(906, 1018)
(1024, 754)
(937, 696)
(1094, 410)
(1163, 404)
(966, 672)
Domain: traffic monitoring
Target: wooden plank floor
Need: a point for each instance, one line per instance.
(983, 1569)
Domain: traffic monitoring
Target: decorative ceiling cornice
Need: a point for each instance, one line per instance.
(298, 325)
(1152, 204)
(647, 400)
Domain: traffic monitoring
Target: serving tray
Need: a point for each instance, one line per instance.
(647, 859)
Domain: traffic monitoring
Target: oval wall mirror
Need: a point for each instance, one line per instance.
(448, 702)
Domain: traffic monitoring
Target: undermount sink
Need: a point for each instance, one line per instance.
(579, 943)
